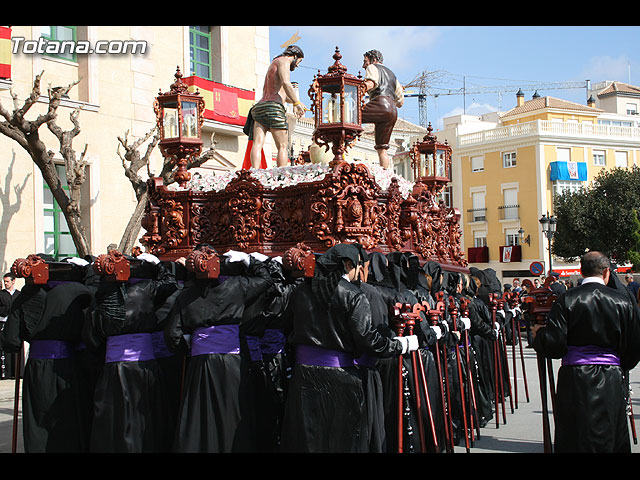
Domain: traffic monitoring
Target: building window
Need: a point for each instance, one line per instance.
(561, 186)
(511, 238)
(509, 159)
(563, 154)
(599, 158)
(445, 195)
(477, 164)
(509, 211)
(632, 109)
(621, 159)
(479, 239)
(67, 38)
(478, 212)
(57, 237)
(200, 51)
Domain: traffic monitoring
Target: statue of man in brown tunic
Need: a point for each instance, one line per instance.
(386, 95)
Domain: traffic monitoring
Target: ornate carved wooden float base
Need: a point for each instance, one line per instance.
(270, 211)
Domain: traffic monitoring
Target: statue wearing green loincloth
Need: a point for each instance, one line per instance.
(269, 114)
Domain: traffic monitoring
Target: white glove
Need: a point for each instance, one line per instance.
(78, 261)
(496, 329)
(500, 312)
(413, 343)
(235, 256)
(409, 343)
(259, 256)
(277, 259)
(466, 322)
(437, 331)
(147, 257)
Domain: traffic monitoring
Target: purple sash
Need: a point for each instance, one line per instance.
(322, 357)
(160, 349)
(50, 349)
(590, 355)
(253, 343)
(129, 347)
(272, 341)
(365, 360)
(215, 339)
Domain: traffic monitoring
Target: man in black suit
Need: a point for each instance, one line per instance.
(595, 330)
(7, 295)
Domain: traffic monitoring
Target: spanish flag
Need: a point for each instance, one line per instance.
(222, 103)
(5, 52)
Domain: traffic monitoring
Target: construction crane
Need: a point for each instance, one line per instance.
(424, 81)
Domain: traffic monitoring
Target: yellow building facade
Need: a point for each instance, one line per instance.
(115, 92)
(508, 166)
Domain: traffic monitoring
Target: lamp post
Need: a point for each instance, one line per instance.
(549, 229)
(522, 238)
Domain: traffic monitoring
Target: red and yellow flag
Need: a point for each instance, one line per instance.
(5, 52)
(222, 103)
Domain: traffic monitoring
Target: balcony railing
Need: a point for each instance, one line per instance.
(477, 214)
(509, 212)
(548, 127)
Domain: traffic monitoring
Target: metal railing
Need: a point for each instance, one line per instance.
(509, 212)
(477, 214)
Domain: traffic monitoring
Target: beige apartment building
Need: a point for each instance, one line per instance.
(508, 166)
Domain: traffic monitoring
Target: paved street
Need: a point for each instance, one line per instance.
(522, 432)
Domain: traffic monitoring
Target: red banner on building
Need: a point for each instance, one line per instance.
(222, 103)
(5, 52)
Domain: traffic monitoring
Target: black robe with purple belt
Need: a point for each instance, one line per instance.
(56, 401)
(217, 413)
(595, 330)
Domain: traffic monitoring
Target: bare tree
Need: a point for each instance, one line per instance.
(27, 134)
(133, 162)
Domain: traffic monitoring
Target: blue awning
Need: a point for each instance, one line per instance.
(568, 171)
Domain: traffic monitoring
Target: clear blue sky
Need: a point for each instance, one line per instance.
(478, 56)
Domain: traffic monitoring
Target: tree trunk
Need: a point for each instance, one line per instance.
(133, 227)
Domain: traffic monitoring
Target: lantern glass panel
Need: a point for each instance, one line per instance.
(170, 120)
(441, 165)
(350, 104)
(331, 112)
(190, 119)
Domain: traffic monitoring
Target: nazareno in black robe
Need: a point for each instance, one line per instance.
(130, 402)
(56, 402)
(388, 278)
(217, 413)
(330, 317)
(591, 399)
(263, 336)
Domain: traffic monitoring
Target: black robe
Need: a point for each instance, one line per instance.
(130, 402)
(56, 402)
(389, 278)
(217, 413)
(590, 402)
(326, 403)
(7, 359)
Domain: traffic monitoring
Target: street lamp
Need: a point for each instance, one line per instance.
(549, 229)
(522, 238)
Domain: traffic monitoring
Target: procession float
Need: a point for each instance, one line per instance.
(308, 206)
